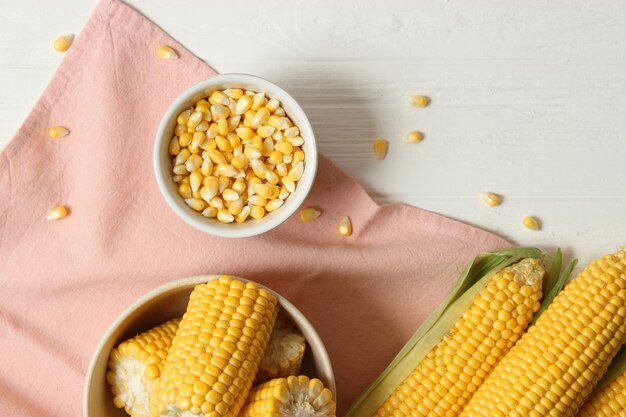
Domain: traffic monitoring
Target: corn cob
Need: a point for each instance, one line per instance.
(284, 353)
(444, 381)
(427, 376)
(292, 396)
(556, 364)
(135, 365)
(215, 355)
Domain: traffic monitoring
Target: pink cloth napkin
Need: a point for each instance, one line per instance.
(64, 282)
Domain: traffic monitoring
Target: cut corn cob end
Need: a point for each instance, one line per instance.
(531, 223)
(418, 101)
(57, 213)
(56, 132)
(345, 227)
(296, 396)
(380, 148)
(215, 355)
(491, 199)
(284, 353)
(167, 53)
(309, 214)
(135, 365)
(63, 43)
(414, 137)
(462, 360)
(610, 401)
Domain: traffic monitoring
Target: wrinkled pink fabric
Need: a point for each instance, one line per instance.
(63, 283)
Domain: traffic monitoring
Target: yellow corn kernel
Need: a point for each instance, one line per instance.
(257, 212)
(289, 184)
(193, 162)
(180, 129)
(174, 147)
(278, 122)
(216, 202)
(185, 139)
(134, 368)
(297, 157)
(258, 100)
(257, 200)
(183, 117)
(243, 215)
(309, 214)
(345, 226)
(218, 97)
(243, 105)
(219, 112)
(57, 213)
(531, 223)
(230, 195)
(279, 112)
(206, 168)
(296, 141)
(419, 101)
(261, 117)
(209, 189)
(240, 161)
(224, 216)
(491, 199)
(195, 203)
(222, 143)
(554, 367)
(380, 148)
(56, 132)
(210, 212)
(184, 190)
(166, 53)
(239, 186)
(469, 352)
(222, 127)
(265, 131)
(216, 156)
(271, 177)
(273, 204)
(285, 148)
(272, 104)
(234, 93)
(63, 43)
(195, 181)
(233, 123)
(245, 133)
(220, 342)
(224, 183)
(212, 131)
(233, 140)
(235, 207)
(414, 137)
(257, 142)
(291, 396)
(296, 171)
(291, 132)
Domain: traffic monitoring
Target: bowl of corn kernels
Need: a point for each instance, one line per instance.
(235, 155)
(210, 345)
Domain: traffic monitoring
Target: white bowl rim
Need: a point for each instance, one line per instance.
(313, 337)
(246, 229)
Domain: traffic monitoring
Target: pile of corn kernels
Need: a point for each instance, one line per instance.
(236, 155)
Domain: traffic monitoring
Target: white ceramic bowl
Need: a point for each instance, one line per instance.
(163, 168)
(167, 302)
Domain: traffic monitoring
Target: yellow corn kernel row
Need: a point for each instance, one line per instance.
(292, 396)
(134, 366)
(556, 364)
(239, 154)
(284, 353)
(610, 401)
(443, 383)
(215, 355)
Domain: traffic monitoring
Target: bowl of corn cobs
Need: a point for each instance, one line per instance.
(235, 155)
(210, 346)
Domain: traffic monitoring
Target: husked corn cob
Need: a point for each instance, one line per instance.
(284, 353)
(610, 401)
(296, 396)
(556, 364)
(135, 365)
(215, 355)
(448, 376)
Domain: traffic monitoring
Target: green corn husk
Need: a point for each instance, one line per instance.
(469, 284)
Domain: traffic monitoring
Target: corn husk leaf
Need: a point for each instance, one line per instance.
(470, 283)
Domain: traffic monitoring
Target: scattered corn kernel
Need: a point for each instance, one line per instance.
(419, 101)
(491, 199)
(236, 155)
(56, 132)
(380, 148)
(309, 214)
(345, 226)
(63, 43)
(167, 53)
(57, 213)
(531, 222)
(414, 137)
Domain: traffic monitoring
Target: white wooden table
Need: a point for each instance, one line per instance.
(528, 96)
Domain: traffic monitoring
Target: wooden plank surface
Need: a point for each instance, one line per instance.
(528, 97)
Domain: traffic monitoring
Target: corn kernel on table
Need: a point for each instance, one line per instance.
(352, 68)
